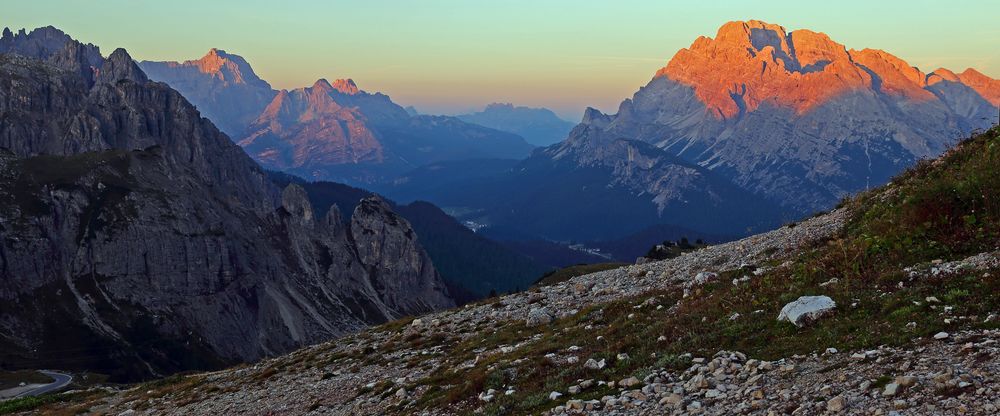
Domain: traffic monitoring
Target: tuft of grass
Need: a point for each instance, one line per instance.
(566, 273)
(36, 403)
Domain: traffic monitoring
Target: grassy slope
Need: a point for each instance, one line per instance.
(944, 210)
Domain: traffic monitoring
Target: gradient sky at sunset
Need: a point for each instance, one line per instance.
(446, 56)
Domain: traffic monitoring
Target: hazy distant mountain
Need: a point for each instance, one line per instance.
(748, 129)
(223, 87)
(329, 131)
(580, 191)
(539, 126)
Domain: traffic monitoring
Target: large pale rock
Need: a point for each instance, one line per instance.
(807, 309)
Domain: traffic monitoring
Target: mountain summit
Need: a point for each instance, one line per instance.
(754, 63)
(795, 116)
(222, 85)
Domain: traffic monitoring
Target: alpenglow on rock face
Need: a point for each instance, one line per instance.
(796, 117)
(223, 86)
(807, 309)
(136, 239)
(329, 131)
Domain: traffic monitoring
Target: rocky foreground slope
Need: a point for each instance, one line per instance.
(137, 240)
(913, 328)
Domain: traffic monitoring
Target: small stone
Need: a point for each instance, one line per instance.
(836, 404)
(401, 393)
(831, 351)
(574, 404)
(941, 335)
(697, 382)
(555, 395)
(593, 364)
(573, 389)
(629, 382)
(891, 389)
(673, 399)
(906, 381)
(705, 277)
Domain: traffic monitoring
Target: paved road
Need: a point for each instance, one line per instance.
(60, 380)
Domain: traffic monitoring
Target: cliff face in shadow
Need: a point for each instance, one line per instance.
(136, 239)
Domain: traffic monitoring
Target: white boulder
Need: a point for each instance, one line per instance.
(807, 309)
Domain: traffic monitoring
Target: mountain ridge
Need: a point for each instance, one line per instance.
(131, 225)
(328, 131)
(539, 126)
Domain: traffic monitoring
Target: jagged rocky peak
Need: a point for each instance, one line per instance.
(55, 47)
(595, 117)
(295, 200)
(753, 62)
(222, 85)
(120, 66)
(177, 223)
(322, 85)
(499, 106)
(334, 219)
(40, 43)
(988, 87)
(226, 67)
(346, 86)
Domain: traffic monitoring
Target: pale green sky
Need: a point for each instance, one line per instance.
(447, 56)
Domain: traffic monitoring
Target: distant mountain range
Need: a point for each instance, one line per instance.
(539, 126)
(737, 133)
(329, 131)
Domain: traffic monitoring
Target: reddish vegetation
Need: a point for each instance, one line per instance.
(756, 62)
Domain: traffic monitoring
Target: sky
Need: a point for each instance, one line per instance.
(454, 56)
